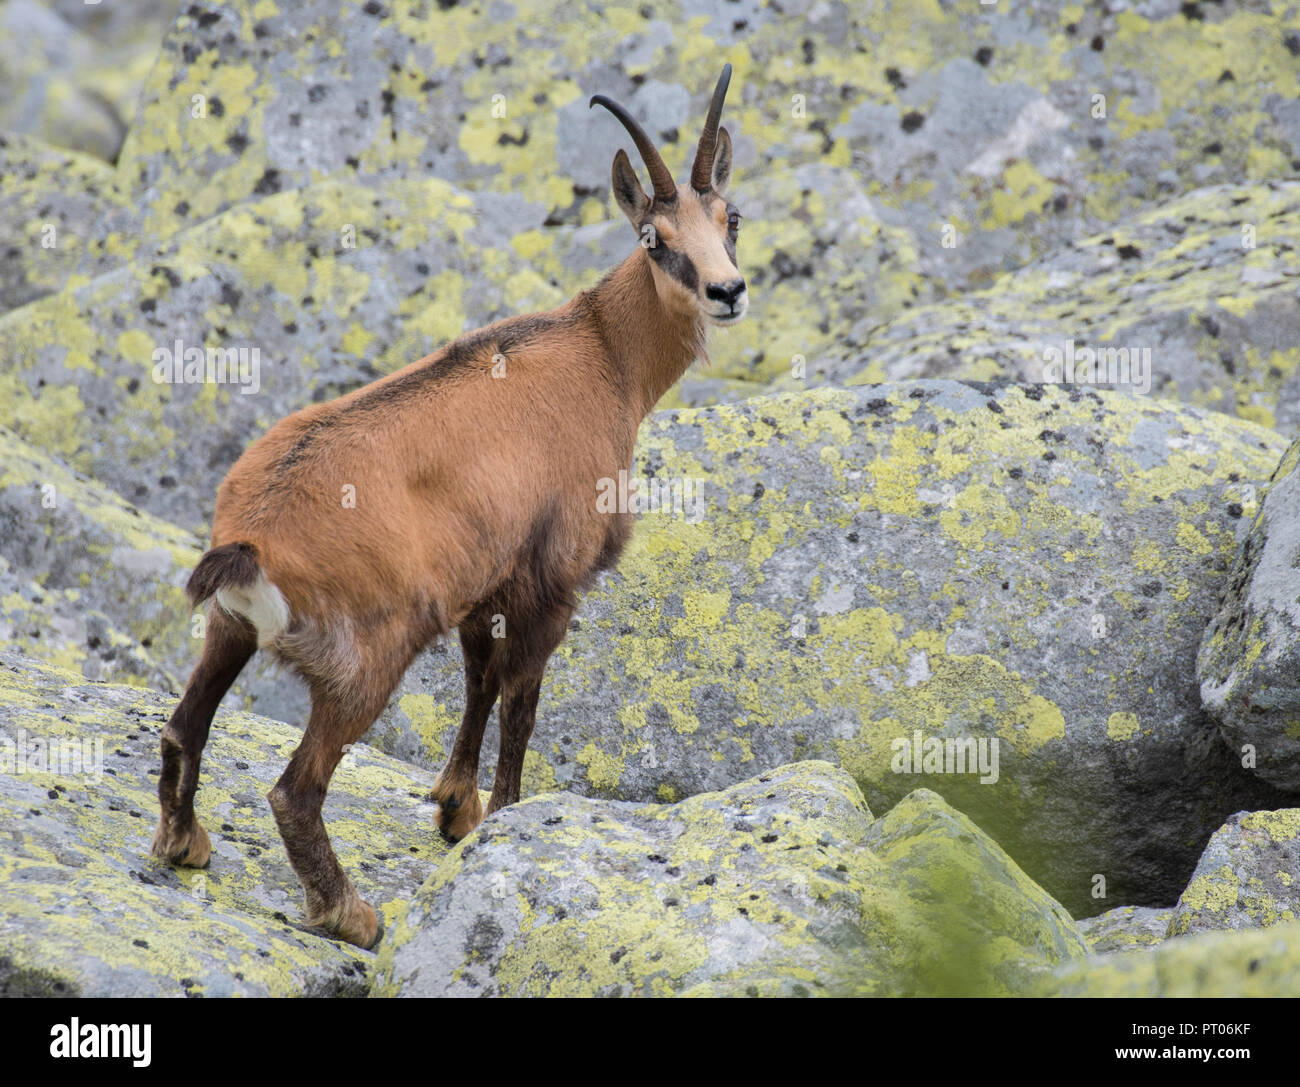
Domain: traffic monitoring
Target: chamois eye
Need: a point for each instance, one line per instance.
(733, 221)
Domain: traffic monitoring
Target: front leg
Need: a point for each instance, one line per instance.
(518, 716)
(528, 651)
(456, 790)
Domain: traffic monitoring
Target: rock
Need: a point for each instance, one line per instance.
(1248, 876)
(1249, 663)
(1213, 964)
(61, 86)
(1171, 301)
(946, 122)
(89, 913)
(1022, 564)
(1126, 928)
(88, 581)
(118, 23)
(50, 201)
(93, 584)
(856, 188)
(57, 625)
(781, 885)
(291, 299)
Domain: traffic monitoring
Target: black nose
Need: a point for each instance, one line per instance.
(725, 292)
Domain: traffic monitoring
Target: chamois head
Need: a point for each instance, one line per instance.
(689, 231)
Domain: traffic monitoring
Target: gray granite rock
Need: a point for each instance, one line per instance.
(1249, 663)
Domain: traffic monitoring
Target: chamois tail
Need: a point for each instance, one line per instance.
(233, 575)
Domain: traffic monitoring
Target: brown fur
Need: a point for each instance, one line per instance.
(475, 497)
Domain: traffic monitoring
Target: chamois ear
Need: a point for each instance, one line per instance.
(722, 163)
(627, 189)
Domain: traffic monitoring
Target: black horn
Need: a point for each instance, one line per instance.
(702, 171)
(664, 185)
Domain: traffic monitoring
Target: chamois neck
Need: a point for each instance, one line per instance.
(651, 340)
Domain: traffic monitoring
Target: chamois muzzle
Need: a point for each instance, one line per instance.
(732, 299)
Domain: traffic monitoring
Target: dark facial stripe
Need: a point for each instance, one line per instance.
(675, 264)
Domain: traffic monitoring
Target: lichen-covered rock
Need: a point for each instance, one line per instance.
(275, 304)
(61, 85)
(1028, 565)
(50, 201)
(1248, 876)
(781, 885)
(1249, 663)
(95, 585)
(59, 625)
(1197, 299)
(1127, 928)
(120, 22)
(950, 116)
(88, 581)
(873, 178)
(84, 910)
(1211, 964)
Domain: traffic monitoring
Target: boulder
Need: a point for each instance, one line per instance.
(88, 581)
(50, 201)
(1212, 964)
(1249, 662)
(1194, 299)
(1126, 928)
(947, 116)
(781, 885)
(66, 83)
(872, 177)
(89, 913)
(1248, 876)
(1027, 565)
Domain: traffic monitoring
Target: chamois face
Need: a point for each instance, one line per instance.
(689, 231)
(692, 243)
(691, 239)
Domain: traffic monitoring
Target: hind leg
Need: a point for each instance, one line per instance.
(456, 790)
(338, 717)
(180, 838)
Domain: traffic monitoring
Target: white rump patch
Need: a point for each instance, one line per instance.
(262, 604)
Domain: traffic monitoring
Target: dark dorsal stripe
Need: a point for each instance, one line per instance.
(471, 353)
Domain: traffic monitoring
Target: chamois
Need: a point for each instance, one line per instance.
(475, 499)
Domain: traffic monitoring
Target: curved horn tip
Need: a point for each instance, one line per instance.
(664, 186)
(702, 168)
(724, 81)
